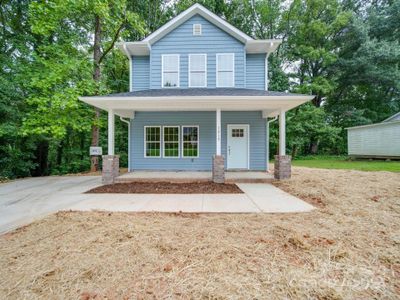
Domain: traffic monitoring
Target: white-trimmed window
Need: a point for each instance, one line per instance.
(225, 69)
(170, 70)
(197, 70)
(197, 30)
(190, 141)
(171, 141)
(152, 141)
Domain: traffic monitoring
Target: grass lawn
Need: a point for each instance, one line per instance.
(348, 248)
(340, 162)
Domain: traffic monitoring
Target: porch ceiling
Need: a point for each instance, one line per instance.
(195, 100)
(271, 104)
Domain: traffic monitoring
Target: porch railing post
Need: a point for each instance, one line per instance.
(218, 167)
(218, 131)
(282, 133)
(283, 162)
(111, 137)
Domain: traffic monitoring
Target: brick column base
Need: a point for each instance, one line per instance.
(283, 167)
(218, 169)
(110, 168)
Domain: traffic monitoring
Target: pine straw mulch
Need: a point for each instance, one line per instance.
(161, 187)
(348, 248)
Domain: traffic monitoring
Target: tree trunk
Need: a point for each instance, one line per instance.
(317, 101)
(294, 150)
(60, 149)
(94, 163)
(41, 158)
(313, 146)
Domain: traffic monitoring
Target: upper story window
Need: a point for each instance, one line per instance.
(197, 30)
(197, 70)
(225, 70)
(170, 70)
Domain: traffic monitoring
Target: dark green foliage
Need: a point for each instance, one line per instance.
(347, 53)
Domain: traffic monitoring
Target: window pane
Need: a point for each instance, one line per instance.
(225, 79)
(190, 134)
(197, 62)
(198, 79)
(171, 134)
(152, 149)
(171, 79)
(171, 63)
(225, 62)
(171, 149)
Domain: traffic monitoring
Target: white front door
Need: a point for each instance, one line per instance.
(238, 147)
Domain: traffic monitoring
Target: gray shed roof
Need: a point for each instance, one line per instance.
(179, 92)
(395, 117)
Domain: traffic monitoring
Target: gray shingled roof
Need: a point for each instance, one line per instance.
(180, 92)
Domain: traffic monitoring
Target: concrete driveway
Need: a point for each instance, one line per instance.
(23, 201)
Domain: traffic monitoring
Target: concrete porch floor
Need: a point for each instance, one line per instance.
(186, 176)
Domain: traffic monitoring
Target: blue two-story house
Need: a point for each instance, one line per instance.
(198, 100)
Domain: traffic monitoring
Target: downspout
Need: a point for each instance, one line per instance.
(129, 141)
(267, 142)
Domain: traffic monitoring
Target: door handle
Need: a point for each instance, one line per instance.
(229, 150)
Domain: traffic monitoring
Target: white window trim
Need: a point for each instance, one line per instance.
(145, 141)
(162, 71)
(201, 29)
(198, 141)
(179, 141)
(205, 70)
(217, 69)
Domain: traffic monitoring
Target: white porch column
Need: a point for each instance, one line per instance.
(111, 135)
(266, 71)
(267, 144)
(282, 133)
(218, 131)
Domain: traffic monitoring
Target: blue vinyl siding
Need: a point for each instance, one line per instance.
(206, 122)
(212, 41)
(255, 71)
(140, 73)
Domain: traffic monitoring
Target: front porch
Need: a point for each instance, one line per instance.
(205, 132)
(190, 176)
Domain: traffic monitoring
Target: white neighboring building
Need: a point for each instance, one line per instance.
(381, 140)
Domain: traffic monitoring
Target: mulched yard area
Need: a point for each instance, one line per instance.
(349, 248)
(201, 187)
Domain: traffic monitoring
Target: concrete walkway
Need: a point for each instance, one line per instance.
(257, 198)
(23, 201)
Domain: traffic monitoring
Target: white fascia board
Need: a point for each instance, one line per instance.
(190, 12)
(272, 104)
(134, 48)
(373, 125)
(200, 98)
(262, 46)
